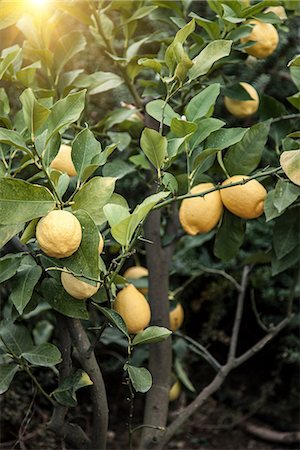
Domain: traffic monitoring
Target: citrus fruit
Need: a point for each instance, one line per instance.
(201, 214)
(133, 308)
(63, 161)
(278, 10)
(175, 391)
(245, 200)
(243, 108)
(266, 37)
(101, 244)
(176, 317)
(136, 272)
(77, 288)
(59, 234)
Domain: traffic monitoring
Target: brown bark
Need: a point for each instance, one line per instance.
(266, 434)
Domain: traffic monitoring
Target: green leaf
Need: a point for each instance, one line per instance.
(182, 375)
(180, 37)
(224, 138)
(154, 146)
(205, 128)
(117, 169)
(289, 260)
(67, 46)
(286, 234)
(65, 394)
(23, 286)
(147, 204)
(84, 148)
(170, 182)
(114, 318)
(290, 162)
(21, 201)
(244, 157)
(230, 237)
(93, 196)
(9, 231)
(64, 112)
(140, 378)
(15, 339)
(208, 56)
(98, 82)
(157, 108)
(9, 265)
(42, 332)
(211, 27)
(201, 104)
(151, 335)
(183, 128)
(9, 58)
(270, 209)
(237, 92)
(13, 138)
(7, 373)
(45, 355)
(285, 194)
(35, 114)
(62, 302)
(295, 100)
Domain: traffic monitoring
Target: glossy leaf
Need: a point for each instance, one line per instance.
(24, 284)
(9, 231)
(9, 265)
(13, 138)
(222, 139)
(244, 157)
(230, 237)
(45, 355)
(93, 196)
(65, 394)
(21, 201)
(159, 111)
(151, 335)
(285, 194)
(114, 318)
(7, 373)
(140, 378)
(15, 339)
(201, 104)
(35, 114)
(154, 146)
(213, 52)
(62, 302)
(286, 234)
(84, 148)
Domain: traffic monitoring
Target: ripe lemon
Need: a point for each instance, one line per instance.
(245, 200)
(101, 244)
(278, 10)
(176, 317)
(136, 272)
(59, 234)
(77, 288)
(63, 161)
(175, 391)
(133, 308)
(266, 37)
(243, 108)
(201, 214)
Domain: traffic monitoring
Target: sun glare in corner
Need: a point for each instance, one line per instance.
(39, 3)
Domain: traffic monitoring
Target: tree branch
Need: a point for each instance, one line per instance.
(266, 434)
(89, 364)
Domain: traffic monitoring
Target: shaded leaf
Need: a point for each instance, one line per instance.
(140, 378)
(7, 373)
(230, 236)
(45, 355)
(151, 335)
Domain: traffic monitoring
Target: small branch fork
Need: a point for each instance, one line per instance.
(232, 362)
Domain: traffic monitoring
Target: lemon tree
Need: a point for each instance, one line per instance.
(159, 170)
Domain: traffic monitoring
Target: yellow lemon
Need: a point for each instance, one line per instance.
(201, 214)
(278, 10)
(59, 234)
(245, 200)
(243, 108)
(176, 317)
(77, 288)
(266, 37)
(175, 391)
(101, 244)
(63, 161)
(136, 272)
(133, 308)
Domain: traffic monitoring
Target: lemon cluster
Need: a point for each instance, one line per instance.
(201, 214)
